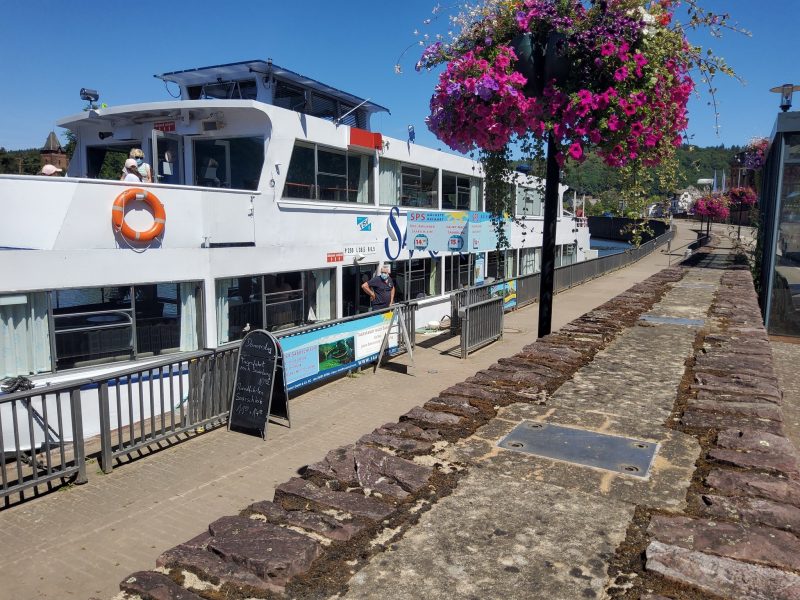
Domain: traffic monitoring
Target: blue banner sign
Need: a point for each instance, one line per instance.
(311, 356)
(481, 233)
(452, 231)
(437, 231)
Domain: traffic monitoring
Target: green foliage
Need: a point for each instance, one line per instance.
(693, 163)
(25, 162)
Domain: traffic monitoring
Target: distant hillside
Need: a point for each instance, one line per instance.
(25, 162)
(593, 177)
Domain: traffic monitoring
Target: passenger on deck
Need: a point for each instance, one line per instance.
(144, 169)
(50, 170)
(131, 172)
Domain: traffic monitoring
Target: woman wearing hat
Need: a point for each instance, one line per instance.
(130, 173)
(144, 169)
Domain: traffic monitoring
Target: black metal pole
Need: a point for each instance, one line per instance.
(549, 239)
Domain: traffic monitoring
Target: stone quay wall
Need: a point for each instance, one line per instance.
(738, 536)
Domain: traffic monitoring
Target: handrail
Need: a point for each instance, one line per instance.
(45, 389)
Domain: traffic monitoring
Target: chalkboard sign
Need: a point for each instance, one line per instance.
(259, 376)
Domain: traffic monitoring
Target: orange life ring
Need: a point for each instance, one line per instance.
(118, 215)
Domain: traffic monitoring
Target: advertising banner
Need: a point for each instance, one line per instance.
(437, 231)
(481, 234)
(508, 291)
(314, 355)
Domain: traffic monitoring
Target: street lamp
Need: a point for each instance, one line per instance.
(786, 90)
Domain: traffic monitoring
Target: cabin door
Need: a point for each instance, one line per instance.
(168, 157)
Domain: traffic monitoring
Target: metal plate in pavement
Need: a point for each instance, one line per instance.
(628, 456)
(673, 320)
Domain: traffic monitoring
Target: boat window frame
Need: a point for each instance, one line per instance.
(51, 318)
(215, 138)
(315, 191)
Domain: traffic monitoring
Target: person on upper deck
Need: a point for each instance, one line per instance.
(380, 289)
(131, 172)
(137, 154)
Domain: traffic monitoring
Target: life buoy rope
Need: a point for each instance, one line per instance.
(118, 215)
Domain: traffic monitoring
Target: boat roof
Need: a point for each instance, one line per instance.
(240, 70)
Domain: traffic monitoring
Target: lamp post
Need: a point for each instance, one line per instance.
(541, 58)
(786, 91)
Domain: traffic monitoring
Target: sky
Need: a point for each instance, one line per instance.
(53, 48)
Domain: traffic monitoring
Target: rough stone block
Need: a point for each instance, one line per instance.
(458, 405)
(436, 419)
(275, 554)
(752, 440)
(372, 469)
(738, 483)
(149, 585)
(703, 394)
(779, 463)
(738, 384)
(720, 576)
(753, 543)
(324, 525)
(410, 430)
(753, 510)
(497, 396)
(298, 493)
(396, 443)
(758, 410)
(699, 419)
(210, 567)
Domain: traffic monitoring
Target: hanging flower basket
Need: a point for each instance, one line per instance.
(755, 153)
(742, 196)
(609, 74)
(713, 206)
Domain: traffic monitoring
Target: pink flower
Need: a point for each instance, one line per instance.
(576, 151)
(621, 74)
(637, 129)
(614, 123)
(607, 49)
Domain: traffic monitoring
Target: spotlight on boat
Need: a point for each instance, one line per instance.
(89, 95)
(105, 134)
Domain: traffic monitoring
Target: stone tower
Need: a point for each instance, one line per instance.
(53, 154)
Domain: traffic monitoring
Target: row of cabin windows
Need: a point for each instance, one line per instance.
(327, 174)
(64, 329)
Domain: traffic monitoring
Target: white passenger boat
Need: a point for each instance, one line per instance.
(278, 201)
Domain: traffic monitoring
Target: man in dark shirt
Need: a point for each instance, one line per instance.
(380, 289)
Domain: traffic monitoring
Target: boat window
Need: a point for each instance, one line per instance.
(274, 302)
(565, 255)
(459, 271)
(226, 90)
(106, 162)
(100, 325)
(234, 163)
(529, 202)
(240, 307)
(530, 260)
(407, 185)
(24, 335)
(355, 300)
(319, 105)
(416, 278)
(502, 264)
(318, 173)
(460, 192)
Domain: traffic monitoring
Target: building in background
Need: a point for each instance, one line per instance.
(52, 153)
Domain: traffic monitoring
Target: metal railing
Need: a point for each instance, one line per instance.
(128, 411)
(481, 324)
(525, 288)
(46, 437)
(141, 406)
